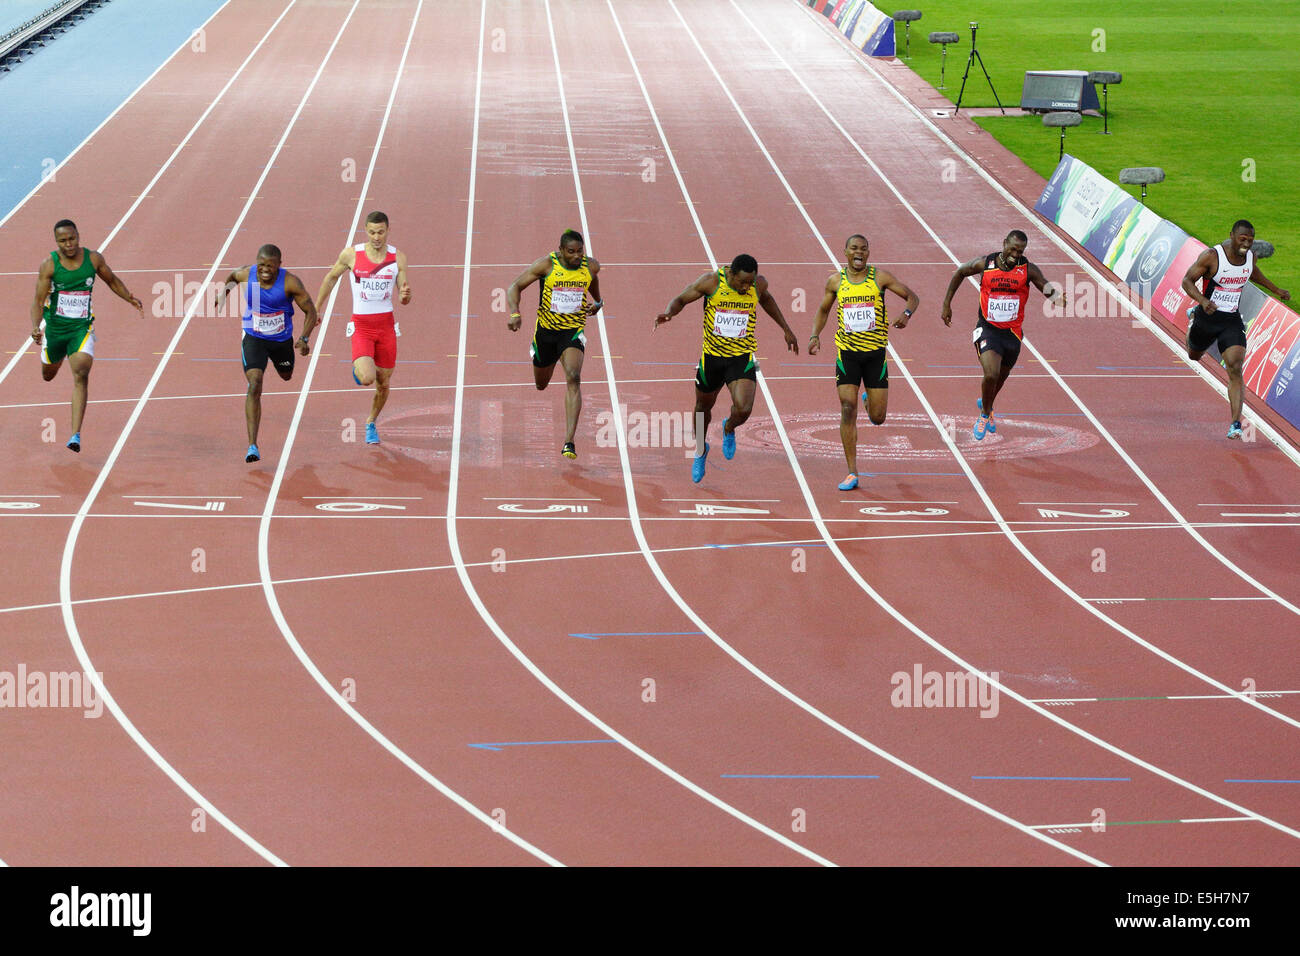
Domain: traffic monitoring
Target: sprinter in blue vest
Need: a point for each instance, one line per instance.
(268, 328)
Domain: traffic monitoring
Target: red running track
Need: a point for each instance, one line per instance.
(666, 681)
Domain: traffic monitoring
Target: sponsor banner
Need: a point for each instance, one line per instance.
(852, 13)
(1283, 395)
(866, 27)
(877, 39)
(1170, 300)
(1049, 203)
(1268, 341)
(1133, 235)
(1155, 260)
(1253, 300)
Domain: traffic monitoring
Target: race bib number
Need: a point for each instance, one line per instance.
(352, 327)
(1004, 308)
(73, 305)
(860, 318)
(397, 330)
(272, 324)
(566, 301)
(376, 290)
(730, 325)
(1226, 300)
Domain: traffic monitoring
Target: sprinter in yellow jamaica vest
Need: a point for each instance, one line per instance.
(861, 341)
(63, 287)
(731, 297)
(567, 278)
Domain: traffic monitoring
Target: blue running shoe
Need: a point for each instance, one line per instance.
(697, 466)
(372, 434)
(728, 441)
(75, 442)
(1234, 430)
(979, 403)
(849, 483)
(981, 426)
(253, 454)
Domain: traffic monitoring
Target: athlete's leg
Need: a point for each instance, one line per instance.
(382, 376)
(49, 371)
(991, 364)
(253, 403)
(704, 402)
(1233, 360)
(849, 424)
(571, 359)
(364, 369)
(877, 405)
(742, 402)
(80, 363)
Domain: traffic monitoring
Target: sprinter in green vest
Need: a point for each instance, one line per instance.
(63, 288)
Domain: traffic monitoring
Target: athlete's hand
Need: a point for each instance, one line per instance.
(814, 344)
(514, 322)
(946, 315)
(791, 342)
(139, 306)
(37, 335)
(902, 320)
(1284, 295)
(661, 319)
(1209, 308)
(404, 294)
(304, 347)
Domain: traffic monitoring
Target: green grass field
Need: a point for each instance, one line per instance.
(1207, 87)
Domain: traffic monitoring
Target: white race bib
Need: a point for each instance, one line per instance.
(730, 325)
(1226, 300)
(860, 318)
(272, 324)
(73, 305)
(1004, 308)
(377, 290)
(350, 329)
(566, 301)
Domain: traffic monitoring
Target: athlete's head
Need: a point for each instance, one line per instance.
(67, 237)
(742, 272)
(377, 229)
(268, 263)
(571, 248)
(856, 249)
(1243, 235)
(1013, 246)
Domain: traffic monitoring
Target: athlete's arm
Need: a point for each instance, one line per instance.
(403, 287)
(538, 270)
(294, 288)
(829, 295)
(1203, 266)
(1257, 276)
(886, 280)
(597, 303)
(236, 277)
(113, 282)
(769, 305)
(44, 282)
(346, 260)
(974, 267)
(1036, 277)
(706, 284)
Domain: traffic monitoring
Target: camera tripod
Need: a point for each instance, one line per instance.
(971, 58)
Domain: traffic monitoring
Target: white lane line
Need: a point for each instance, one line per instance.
(22, 349)
(1098, 827)
(69, 548)
(263, 537)
(1261, 424)
(677, 598)
(853, 572)
(949, 440)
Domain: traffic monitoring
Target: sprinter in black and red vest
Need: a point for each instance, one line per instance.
(1005, 278)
